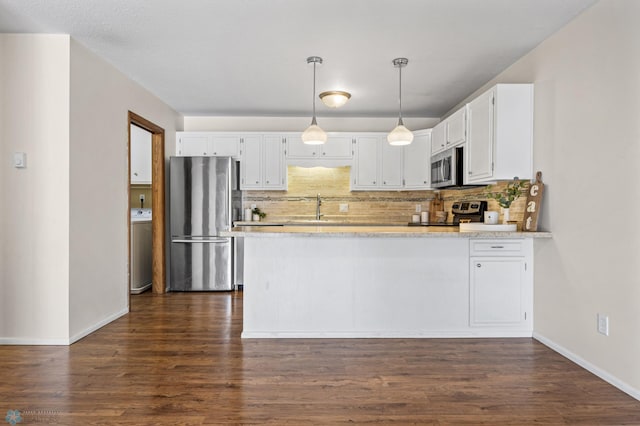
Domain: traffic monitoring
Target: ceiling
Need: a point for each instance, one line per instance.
(248, 57)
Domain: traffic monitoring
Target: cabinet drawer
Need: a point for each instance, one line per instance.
(497, 248)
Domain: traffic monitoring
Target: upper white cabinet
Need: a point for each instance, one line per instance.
(262, 163)
(140, 156)
(364, 172)
(450, 132)
(439, 137)
(456, 127)
(416, 164)
(208, 144)
(225, 145)
(500, 134)
(338, 146)
(380, 166)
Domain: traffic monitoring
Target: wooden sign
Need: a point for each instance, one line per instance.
(532, 210)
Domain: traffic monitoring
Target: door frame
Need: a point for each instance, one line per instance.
(157, 202)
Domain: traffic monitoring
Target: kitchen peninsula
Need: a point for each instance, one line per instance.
(386, 281)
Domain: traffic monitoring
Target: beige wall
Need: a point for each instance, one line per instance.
(136, 191)
(101, 97)
(587, 145)
(64, 218)
(34, 202)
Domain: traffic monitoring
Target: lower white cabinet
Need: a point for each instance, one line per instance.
(501, 284)
(262, 163)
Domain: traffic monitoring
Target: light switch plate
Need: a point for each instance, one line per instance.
(19, 160)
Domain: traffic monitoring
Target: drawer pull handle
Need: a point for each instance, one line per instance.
(497, 246)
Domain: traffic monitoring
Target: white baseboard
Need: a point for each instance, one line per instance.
(624, 387)
(386, 334)
(98, 325)
(28, 341)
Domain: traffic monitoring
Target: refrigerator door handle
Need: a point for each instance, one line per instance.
(212, 241)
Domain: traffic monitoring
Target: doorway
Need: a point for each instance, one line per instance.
(157, 202)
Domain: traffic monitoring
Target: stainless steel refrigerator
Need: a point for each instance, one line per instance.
(204, 200)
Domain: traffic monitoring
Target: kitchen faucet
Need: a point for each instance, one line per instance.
(318, 204)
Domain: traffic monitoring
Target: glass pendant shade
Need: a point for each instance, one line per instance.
(335, 98)
(314, 135)
(400, 136)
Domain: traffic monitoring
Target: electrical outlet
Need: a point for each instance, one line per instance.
(603, 324)
(344, 208)
(253, 206)
(141, 197)
(418, 208)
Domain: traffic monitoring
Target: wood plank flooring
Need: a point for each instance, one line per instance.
(178, 359)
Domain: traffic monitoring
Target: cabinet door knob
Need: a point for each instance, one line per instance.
(324, 153)
(267, 181)
(215, 153)
(478, 265)
(384, 183)
(135, 174)
(257, 182)
(374, 182)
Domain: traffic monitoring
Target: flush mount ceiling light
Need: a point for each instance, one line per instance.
(400, 135)
(335, 98)
(314, 135)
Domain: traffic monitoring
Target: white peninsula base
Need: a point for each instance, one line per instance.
(350, 287)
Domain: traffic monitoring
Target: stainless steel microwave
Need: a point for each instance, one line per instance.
(446, 168)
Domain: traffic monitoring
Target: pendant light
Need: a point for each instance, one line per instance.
(314, 135)
(400, 135)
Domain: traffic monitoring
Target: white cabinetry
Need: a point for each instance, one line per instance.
(456, 127)
(380, 166)
(262, 163)
(501, 284)
(500, 134)
(364, 172)
(416, 164)
(438, 137)
(208, 144)
(450, 132)
(140, 156)
(337, 147)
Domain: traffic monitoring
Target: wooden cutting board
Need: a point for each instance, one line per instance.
(436, 205)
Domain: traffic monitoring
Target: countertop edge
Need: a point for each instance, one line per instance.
(366, 232)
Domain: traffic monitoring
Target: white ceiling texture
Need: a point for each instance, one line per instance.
(248, 57)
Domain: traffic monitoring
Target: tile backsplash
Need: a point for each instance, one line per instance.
(304, 183)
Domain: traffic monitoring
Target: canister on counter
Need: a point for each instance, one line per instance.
(415, 218)
(424, 217)
(247, 215)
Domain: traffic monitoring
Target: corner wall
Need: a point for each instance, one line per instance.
(34, 201)
(587, 145)
(101, 97)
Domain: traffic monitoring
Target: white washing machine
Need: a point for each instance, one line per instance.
(141, 250)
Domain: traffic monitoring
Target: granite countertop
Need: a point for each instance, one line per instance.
(379, 231)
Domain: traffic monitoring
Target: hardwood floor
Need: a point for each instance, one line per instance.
(178, 359)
